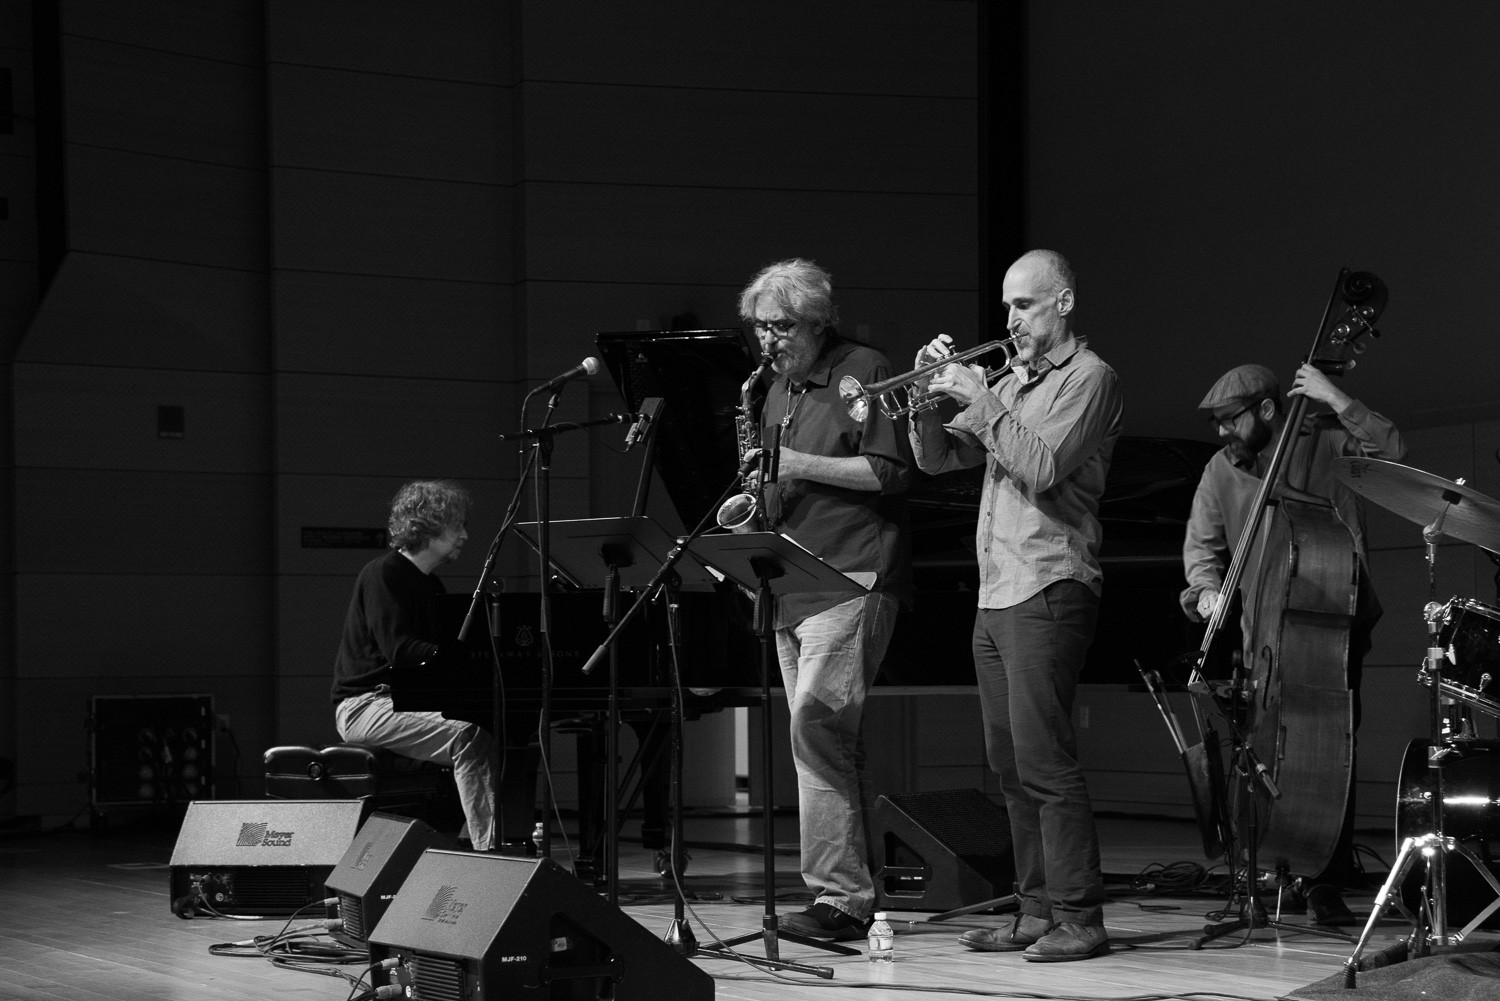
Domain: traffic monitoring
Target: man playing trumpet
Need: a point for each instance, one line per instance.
(841, 494)
(1045, 432)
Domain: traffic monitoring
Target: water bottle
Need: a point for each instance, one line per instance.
(882, 940)
(537, 840)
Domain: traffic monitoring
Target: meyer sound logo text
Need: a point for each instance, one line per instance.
(444, 909)
(364, 855)
(254, 835)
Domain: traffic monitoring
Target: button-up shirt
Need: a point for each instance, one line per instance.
(1046, 438)
(1226, 494)
(859, 532)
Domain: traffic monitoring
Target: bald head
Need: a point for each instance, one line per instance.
(1038, 297)
(1049, 269)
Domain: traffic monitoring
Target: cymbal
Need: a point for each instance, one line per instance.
(1420, 497)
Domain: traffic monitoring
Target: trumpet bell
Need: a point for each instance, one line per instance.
(856, 400)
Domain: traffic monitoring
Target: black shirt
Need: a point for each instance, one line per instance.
(393, 618)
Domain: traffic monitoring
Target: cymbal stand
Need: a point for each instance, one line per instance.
(1430, 923)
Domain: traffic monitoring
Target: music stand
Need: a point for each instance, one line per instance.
(770, 565)
(629, 550)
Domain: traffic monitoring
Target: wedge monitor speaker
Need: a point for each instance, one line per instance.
(268, 857)
(939, 851)
(377, 862)
(468, 926)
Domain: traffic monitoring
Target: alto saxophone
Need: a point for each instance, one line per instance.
(745, 509)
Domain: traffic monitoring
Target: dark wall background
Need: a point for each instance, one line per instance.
(341, 236)
(1209, 168)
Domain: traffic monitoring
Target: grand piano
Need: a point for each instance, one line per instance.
(694, 453)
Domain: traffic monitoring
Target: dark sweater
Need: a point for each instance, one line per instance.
(392, 619)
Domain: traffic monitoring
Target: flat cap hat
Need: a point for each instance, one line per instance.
(1247, 382)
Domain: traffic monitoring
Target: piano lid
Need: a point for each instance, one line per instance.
(698, 373)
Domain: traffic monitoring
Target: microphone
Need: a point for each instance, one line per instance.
(589, 366)
(650, 411)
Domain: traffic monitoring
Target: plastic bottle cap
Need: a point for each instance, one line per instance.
(880, 915)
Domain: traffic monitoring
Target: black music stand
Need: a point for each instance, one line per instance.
(628, 550)
(768, 565)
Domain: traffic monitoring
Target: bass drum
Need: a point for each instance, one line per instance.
(1471, 813)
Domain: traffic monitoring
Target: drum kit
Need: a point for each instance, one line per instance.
(1450, 785)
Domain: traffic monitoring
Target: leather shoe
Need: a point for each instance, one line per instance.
(1068, 941)
(1328, 908)
(1023, 931)
(824, 921)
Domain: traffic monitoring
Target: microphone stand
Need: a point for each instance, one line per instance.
(681, 936)
(542, 459)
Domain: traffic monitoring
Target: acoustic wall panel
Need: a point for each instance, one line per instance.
(363, 426)
(884, 46)
(164, 104)
(135, 522)
(468, 40)
(116, 311)
(407, 227)
(685, 235)
(328, 323)
(159, 207)
(400, 126)
(93, 417)
(692, 136)
(123, 624)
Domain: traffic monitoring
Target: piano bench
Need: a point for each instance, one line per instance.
(385, 780)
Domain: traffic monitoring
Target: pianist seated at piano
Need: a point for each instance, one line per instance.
(393, 619)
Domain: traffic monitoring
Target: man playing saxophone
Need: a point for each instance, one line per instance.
(840, 492)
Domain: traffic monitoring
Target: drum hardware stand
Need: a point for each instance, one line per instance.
(1430, 923)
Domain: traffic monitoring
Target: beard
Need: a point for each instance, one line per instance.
(1244, 448)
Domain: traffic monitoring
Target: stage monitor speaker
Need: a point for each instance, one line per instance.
(470, 926)
(939, 851)
(378, 861)
(268, 857)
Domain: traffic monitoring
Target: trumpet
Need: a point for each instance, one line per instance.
(898, 396)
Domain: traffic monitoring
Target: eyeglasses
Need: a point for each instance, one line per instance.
(779, 327)
(1227, 423)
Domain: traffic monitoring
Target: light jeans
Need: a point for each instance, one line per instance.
(466, 748)
(828, 661)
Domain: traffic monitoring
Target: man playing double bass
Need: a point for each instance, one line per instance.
(1245, 409)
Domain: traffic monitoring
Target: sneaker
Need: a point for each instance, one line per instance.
(1023, 931)
(1069, 941)
(825, 921)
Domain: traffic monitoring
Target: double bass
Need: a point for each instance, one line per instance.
(1291, 713)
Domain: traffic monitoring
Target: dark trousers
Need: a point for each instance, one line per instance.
(1028, 658)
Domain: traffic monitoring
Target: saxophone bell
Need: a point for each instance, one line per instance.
(743, 510)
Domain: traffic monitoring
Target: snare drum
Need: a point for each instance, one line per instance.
(1470, 640)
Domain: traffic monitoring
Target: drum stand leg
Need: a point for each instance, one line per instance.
(1429, 924)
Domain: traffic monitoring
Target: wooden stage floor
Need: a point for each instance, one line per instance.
(86, 917)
